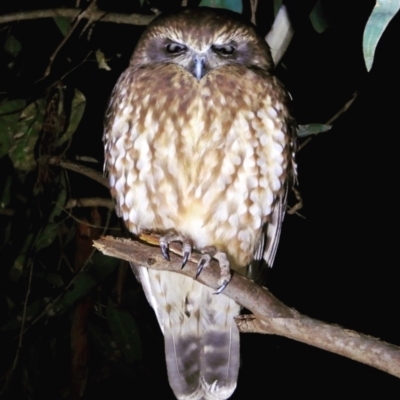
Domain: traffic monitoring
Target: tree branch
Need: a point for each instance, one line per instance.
(269, 314)
(80, 169)
(130, 19)
(90, 202)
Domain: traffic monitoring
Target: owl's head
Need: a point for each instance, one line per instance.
(200, 40)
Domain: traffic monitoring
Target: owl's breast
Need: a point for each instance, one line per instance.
(206, 158)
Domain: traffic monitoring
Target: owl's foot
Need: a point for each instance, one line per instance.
(172, 236)
(208, 254)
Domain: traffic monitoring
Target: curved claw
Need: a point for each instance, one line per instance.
(186, 256)
(200, 267)
(164, 250)
(187, 251)
(222, 287)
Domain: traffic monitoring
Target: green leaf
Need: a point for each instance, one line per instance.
(103, 341)
(382, 14)
(47, 236)
(50, 278)
(96, 271)
(125, 332)
(25, 136)
(17, 268)
(63, 24)
(6, 193)
(50, 231)
(32, 310)
(233, 5)
(318, 18)
(12, 45)
(9, 115)
(277, 6)
(77, 110)
(312, 129)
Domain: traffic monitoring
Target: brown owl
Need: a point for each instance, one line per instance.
(199, 148)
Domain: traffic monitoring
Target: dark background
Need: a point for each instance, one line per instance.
(337, 264)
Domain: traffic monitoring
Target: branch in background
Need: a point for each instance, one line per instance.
(90, 202)
(269, 314)
(80, 169)
(333, 119)
(95, 14)
(253, 6)
(86, 14)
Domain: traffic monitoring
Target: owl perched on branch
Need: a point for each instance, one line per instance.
(199, 148)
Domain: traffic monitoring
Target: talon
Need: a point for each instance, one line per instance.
(222, 287)
(164, 248)
(187, 251)
(226, 275)
(200, 266)
(186, 255)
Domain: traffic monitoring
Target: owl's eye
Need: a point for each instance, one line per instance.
(223, 49)
(175, 48)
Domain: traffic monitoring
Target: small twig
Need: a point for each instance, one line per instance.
(9, 212)
(343, 109)
(75, 67)
(22, 331)
(253, 6)
(28, 292)
(86, 14)
(334, 118)
(84, 222)
(298, 206)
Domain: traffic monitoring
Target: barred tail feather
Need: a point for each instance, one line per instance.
(220, 358)
(201, 336)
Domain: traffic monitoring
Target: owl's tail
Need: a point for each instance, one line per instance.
(201, 336)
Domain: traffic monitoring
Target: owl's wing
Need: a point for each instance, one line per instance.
(265, 252)
(200, 333)
(273, 230)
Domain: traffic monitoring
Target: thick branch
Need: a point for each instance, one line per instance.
(130, 19)
(270, 315)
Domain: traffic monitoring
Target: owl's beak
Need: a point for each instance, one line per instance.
(199, 66)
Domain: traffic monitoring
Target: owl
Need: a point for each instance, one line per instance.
(199, 145)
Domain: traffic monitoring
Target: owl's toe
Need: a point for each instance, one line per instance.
(204, 262)
(224, 265)
(225, 270)
(165, 240)
(187, 247)
(224, 284)
(172, 236)
(164, 248)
